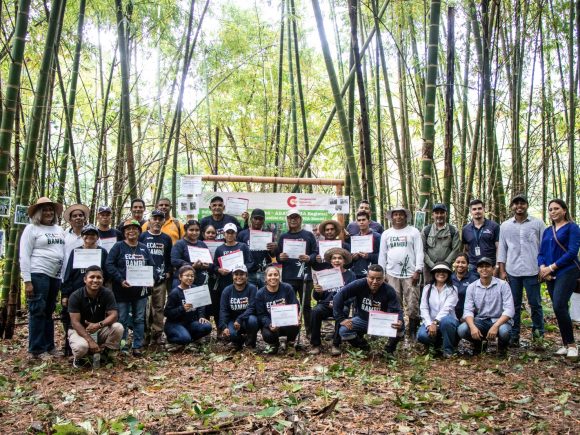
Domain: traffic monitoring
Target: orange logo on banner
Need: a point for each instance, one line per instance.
(291, 201)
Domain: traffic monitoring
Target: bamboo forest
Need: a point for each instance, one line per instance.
(400, 104)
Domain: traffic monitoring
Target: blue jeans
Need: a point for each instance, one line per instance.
(248, 327)
(484, 325)
(40, 308)
(137, 309)
(185, 333)
(560, 291)
(446, 335)
(359, 329)
(517, 284)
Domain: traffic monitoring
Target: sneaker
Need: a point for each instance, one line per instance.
(137, 352)
(291, 348)
(45, 356)
(56, 353)
(335, 351)
(514, 342)
(79, 363)
(282, 347)
(572, 353)
(33, 356)
(173, 347)
(314, 351)
(563, 351)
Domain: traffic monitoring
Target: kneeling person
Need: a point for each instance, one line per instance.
(338, 258)
(184, 324)
(371, 294)
(237, 310)
(93, 315)
(438, 311)
(488, 310)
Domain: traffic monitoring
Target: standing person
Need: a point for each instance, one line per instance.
(171, 226)
(41, 260)
(74, 277)
(130, 252)
(224, 276)
(480, 236)
(159, 245)
(76, 215)
(488, 310)
(440, 241)
(137, 212)
(180, 254)
(438, 304)
(218, 219)
(330, 230)
(517, 258)
(370, 294)
(461, 278)
(560, 268)
(93, 312)
(362, 260)
(275, 293)
(107, 236)
(184, 323)
(237, 310)
(296, 271)
(353, 228)
(262, 259)
(337, 258)
(401, 256)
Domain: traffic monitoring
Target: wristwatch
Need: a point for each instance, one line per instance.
(436, 322)
(101, 325)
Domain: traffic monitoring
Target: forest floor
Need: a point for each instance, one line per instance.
(212, 390)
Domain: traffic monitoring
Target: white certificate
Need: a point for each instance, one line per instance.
(237, 206)
(329, 278)
(107, 243)
(229, 261)
(380, 324)
(284, 315)
(86, 257)
(190, 185)
(325, 245)
(140, 276)
(294, 248)
(197, 296)
(259, 240)
(212, 245)
(364, 244)
(201, 254)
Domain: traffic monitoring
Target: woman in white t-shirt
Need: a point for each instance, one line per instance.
(41, 258)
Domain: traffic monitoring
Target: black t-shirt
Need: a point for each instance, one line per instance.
(92, 310)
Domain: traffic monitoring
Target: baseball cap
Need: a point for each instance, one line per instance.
(230, 227)
(258, 212)
(293, 211)
(240, 267)
(439, 206)
(89, 228)
(104, 209)
(519, 197)
(484, 260)
(157, 213)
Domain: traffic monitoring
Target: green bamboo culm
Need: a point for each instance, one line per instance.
(25, 181)
(429, 110)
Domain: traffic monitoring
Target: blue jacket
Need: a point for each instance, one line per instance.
(225, 280)
(237, 305)
(327, 296)
(265, 299)
(180, 257)
(550, 252)
(361, 265)
(293, 269)
(174, 311)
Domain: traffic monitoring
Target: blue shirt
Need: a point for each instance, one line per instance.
(550, 252)
(461, 286)
(485, 238)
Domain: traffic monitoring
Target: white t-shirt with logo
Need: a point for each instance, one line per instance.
(401, 253)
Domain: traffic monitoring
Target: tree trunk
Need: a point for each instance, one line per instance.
(279, 97)
(448, 172)
(571, 187)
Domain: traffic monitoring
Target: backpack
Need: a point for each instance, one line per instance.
(452, 230)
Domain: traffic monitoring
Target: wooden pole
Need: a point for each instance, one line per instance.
(278, 180)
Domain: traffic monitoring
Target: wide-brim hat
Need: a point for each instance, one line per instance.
(74, 207)
(341, 251)
(399, 208)
(441, 267)
(42, 201)
(323, 224)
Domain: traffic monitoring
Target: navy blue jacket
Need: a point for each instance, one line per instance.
(159, 246)
(219, 225)
(293, 269)
(74, 278)
(180, 257)
(326, 265)
(265, 299)
(237, 305)
(327, 296)
(361, 265)
(174, 311)
(461, 287)
(261, 258)
(225, 280)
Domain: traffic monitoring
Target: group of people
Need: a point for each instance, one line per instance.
(439, 283)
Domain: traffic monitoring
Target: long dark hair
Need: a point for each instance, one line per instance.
(448, 281)
(562, 204)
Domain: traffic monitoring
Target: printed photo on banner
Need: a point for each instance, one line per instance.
(21, 215)
(5, 202)
(191, 185)
(188, 205)
(420, 217)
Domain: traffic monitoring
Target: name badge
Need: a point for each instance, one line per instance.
(477, 251)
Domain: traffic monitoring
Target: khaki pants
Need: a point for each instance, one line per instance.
(109, 337)
(407, 294)
(155, 309)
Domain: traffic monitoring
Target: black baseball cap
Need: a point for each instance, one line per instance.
(89, 228)
(258, 212)
(104, 209)
(484, 260)
(439, 206)
(519, 197)
(157, 213)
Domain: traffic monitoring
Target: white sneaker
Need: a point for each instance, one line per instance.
(572, 353)
(562, 351)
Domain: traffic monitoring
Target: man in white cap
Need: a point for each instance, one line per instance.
(401, 255)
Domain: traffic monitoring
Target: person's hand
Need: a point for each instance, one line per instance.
(304, 258)
(545, 271)
(415, 278)
(223, 272)
(29, 289)
(355, 256)
(476, 333)
(226, 333)
(187, 307)
(284, 256)
(245, 216)
(397, 325)
(363, 255)
(237, 326)
(91, 327)
(93, 346)
(318, 259)
(503, 275)
(273, 328)
(64, 302)
(204, 320)
(125, 284)
(197, 264)
(271, 246)
(432, 329)
(317, 288)
(347, 323)
(496, 272)
(492, 333)
(204, 265)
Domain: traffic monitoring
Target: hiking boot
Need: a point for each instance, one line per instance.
(173, 347)
(138, 352)
(335, 351)
(314, 351)
(514, 342)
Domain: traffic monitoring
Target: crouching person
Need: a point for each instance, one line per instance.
(237, 310)
(488, 310)
(93, 313)
(370, 294)
(438, 311)
(184, 324)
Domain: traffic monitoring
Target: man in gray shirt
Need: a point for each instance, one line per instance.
(517, 257)
(488, 309)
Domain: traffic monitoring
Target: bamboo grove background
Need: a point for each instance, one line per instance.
(410, 102)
